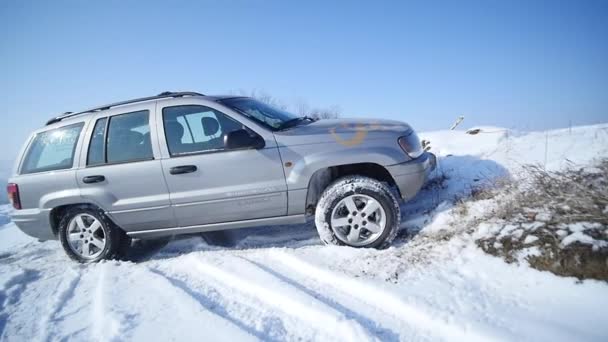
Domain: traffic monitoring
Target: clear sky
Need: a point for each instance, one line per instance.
(519, 64)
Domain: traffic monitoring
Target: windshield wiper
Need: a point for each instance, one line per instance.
(294, 122)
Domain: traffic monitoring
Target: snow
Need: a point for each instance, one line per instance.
(281, 283)
(578, 235)
(553, 149)
(530, 239)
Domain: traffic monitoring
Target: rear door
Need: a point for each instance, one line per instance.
(221, 185)
(121, 169)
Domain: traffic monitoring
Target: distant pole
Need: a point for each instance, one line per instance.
(508, 143)
(457, 122)
(546, 147)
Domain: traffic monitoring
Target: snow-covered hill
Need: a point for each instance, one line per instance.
(282, 284)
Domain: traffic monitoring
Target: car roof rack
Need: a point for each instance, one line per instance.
(162, 95)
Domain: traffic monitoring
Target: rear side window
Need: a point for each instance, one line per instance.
(52, 150)
(125, 138)
(96, 155)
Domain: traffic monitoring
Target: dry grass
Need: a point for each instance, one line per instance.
(571, 196)
(554, 201)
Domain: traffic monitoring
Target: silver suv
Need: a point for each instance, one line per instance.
(182, 163)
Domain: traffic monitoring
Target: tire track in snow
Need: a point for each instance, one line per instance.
(206, 302)
(62, 294)
(25, 254)
(224, 301)
(11, 290)
(157, 303)
(306, 310)
(104, 326)
(382, 300)
(384, 334)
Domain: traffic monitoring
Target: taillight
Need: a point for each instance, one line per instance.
(13, 195)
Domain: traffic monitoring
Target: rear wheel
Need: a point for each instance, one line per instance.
(87, 235)
(357, 211)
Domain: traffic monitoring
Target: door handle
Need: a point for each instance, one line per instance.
(177, 170)
(93, 179)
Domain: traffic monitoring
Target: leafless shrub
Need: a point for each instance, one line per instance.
(573, 195)
(549, 206)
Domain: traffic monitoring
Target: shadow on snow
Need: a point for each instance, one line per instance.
(456, 178)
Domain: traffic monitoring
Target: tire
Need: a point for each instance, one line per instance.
(74, 230)
(366, 195)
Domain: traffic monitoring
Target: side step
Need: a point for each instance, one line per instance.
(272, 221)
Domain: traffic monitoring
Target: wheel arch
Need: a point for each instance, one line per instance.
(323, 177)
(56, 214)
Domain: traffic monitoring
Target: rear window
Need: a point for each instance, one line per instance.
(52, 150)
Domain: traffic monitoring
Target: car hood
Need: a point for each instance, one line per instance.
(336, 130)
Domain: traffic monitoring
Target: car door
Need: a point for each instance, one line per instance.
(209, 183)
(121, 169)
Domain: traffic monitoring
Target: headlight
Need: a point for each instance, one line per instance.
(411, 145)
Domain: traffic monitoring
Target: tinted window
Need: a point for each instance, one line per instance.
(52, 150)
(192, 129)
(96, 153)
(128, 138)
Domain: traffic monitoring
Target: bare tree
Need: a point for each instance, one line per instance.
(264, 97)
(301, 107)
(325, 113)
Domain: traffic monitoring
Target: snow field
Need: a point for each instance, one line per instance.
(281, 284)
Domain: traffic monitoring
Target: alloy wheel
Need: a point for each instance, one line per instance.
(86, 236)
(358, 220)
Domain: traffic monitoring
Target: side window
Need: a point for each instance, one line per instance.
(96, 155)
(193, 129)
(125, 138)
(52, 150)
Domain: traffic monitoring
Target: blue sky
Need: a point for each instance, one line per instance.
(518, 64)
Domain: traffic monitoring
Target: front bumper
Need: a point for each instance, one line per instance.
(411, 175)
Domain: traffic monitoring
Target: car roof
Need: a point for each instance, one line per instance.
(69, 117)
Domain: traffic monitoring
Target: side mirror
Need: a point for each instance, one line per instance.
(242, 139)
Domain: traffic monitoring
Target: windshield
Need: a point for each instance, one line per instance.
(268, 116)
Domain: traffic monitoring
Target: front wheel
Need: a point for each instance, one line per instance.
(87, 235)
(357, 211)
